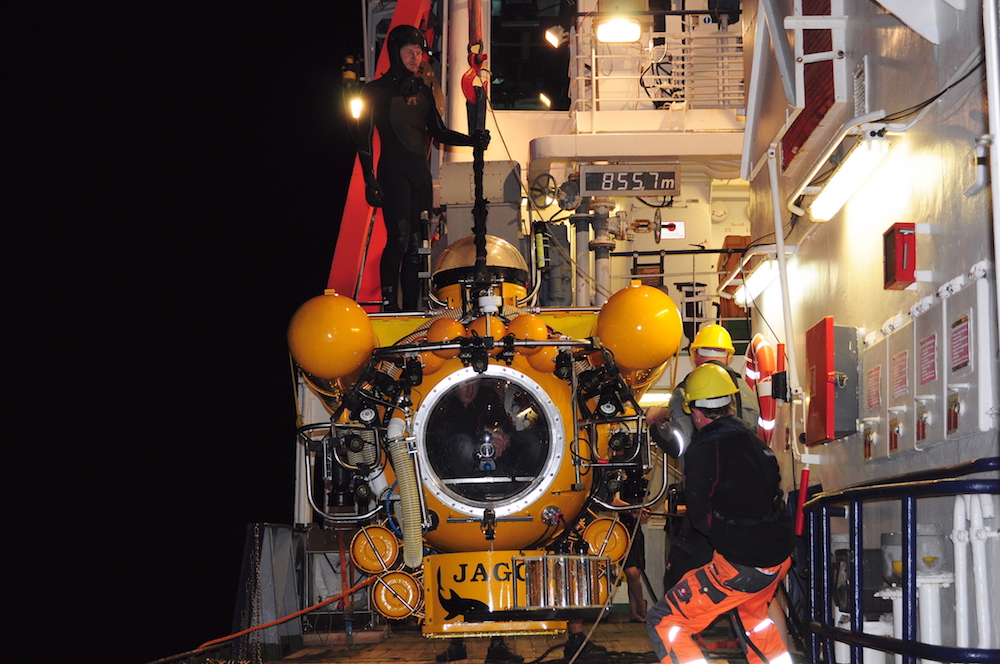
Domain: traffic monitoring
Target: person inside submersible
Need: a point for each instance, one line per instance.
(401, 106)
(472, 429)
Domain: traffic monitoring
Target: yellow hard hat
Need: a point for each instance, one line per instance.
(713, 336)
(708, 386)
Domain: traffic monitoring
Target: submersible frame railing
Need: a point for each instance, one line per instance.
(907, 488)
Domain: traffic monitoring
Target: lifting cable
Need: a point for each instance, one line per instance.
(475, 98)
(479, 214)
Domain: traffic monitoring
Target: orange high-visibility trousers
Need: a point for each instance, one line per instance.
(706, 592)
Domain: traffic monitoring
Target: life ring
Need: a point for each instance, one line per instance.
(760, 363)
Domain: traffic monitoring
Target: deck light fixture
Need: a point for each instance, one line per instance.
(618, 31)
(760, 278)
(545, 100)
(860, 162)
(556, 36)
(654, 398)
(355, 105)
(351, 84)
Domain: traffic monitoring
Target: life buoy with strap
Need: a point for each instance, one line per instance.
(760, 363)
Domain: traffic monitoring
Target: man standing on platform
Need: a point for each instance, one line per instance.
(401, 106)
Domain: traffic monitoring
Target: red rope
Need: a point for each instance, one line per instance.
(288, 617)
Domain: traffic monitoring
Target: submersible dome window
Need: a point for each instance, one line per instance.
(489, 440)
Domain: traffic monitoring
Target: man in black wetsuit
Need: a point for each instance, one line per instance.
(731, 483)
(402, 108)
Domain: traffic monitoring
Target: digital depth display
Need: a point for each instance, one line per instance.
(636, 180)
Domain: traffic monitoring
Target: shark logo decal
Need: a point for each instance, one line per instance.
(456, 605)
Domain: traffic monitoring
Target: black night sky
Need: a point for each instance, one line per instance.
(174, 178)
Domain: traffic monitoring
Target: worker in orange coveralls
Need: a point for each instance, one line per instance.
(731, 483)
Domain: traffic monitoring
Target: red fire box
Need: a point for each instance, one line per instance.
(899, 245)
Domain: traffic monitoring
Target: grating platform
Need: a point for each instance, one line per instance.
(627, 643)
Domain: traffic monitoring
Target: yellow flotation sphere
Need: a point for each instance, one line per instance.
(446, 329)
(495, 329)
(544, 360)
(331, 336)
(530, 327)
(641, 325)
(430, 362)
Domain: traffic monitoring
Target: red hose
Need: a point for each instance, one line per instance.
(803, 492)
(289, 617)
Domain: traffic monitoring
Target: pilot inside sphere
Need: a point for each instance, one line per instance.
(471, 430)
(481, 446)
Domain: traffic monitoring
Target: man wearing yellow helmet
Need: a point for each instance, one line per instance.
(671, 427)
(731, 485)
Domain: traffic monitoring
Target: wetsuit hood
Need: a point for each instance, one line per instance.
(400, 36)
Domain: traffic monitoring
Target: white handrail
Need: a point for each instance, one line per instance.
(688, 70)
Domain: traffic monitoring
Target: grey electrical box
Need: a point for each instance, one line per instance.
(502, 191)
(832, 366)
(501, 183)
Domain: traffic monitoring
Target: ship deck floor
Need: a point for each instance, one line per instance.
(626, 643)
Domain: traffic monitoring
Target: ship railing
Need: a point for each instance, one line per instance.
(934, 483)
(666, 71)
(698, 304)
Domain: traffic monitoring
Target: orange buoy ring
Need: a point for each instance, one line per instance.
(758, 370)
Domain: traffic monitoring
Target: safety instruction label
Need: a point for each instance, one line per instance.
(960, 346)
(900, 374)
(874, 387)
(928, 359)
